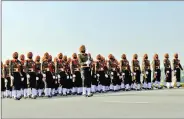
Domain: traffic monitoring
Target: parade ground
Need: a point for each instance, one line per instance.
(166, 103)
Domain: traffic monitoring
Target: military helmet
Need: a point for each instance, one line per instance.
(98, 57)
(82, 49)
(37, 58)
(123, 56)
(110, 56)
(135, 56)
(176, 55)
(29, 55)
(166, 55)
(7, 62)
(60, 55)
(15, 55)
(22, 57)
(74, 55)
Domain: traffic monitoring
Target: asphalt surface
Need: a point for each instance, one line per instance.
(166, 103)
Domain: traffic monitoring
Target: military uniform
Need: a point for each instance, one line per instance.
(85, 63)
(6, 69)
(39, 77)
(61, 75)
(77, 80)
(124, 69)
(136, 72)
(15, 72)
(168, 72)
(113, 69)
(156, 72)
(94, 82)
(101, 75)
(146, 70)
(2, 81)
(31, 78)
(177, 70)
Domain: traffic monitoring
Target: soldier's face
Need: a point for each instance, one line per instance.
(83, 51)
(146, 57)
(176, 56)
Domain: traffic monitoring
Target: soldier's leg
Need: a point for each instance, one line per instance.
(93, 86)
(88, 81)
(178, 77)
(149, 79)
(138, 80)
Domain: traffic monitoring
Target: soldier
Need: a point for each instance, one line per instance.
(47, 75)
(70, 88)
(146, 71)
(67, 80)
(2, 82)
(60, 71)
(112, 65)
(31, 76)
(24, 86)
(124, 66)
(85, 63)
(39, 77)
(94, 82)
(177, 67)
(101, 73)
(136, 72)
(7, 79)
(56, 84)
(16, 76)
(52, 81)
(75, 72)
(156, 71)
(168, 71)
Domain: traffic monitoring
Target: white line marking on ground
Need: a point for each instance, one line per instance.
(126, 102)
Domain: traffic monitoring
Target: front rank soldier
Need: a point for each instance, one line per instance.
(2, 82)
(124, 69)
(60, 71)
(113, 69)
(146, 70)
(85, 63)
(156, 71)
(7, 79)
(136, 72)
(94, 82)
(24, 86)
(47, 75)
(101, 73)
(16, 76)
(39, 77)
(75, 71)
(177, 69)
(168, 71)
(31, 75)
(53, 79)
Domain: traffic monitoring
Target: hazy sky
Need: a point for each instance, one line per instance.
(104, 27)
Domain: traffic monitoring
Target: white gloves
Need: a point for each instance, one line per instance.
(98, 75)
(54, 77)
(12, 77)
(67, 77)
(175, 71)
(22, 79)
(167, 71)
(146, 72)
(58, 76)
(74, 75)
(106, 75)
(70, 77)
(6, 80)
(134, 74)
(44, 75)
(123, 74)
(112, 73)
(37, 78)
(118, 74)
(94, 76)
(28, 76)
(155, 72)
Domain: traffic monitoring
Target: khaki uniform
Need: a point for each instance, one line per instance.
(177, 70)
(146, 70)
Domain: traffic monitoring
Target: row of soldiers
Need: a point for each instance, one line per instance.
(81, 74)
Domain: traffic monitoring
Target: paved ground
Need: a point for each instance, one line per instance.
(145, 104)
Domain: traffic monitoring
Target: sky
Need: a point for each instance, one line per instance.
(104, 27)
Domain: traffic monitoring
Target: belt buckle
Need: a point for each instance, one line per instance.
(101, 68)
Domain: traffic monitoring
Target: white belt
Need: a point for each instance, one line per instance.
(30, 69)
(61, 69)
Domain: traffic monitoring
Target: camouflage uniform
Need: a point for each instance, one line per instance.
(6, 69)
(15, 72)
(85, 63)
(168, 71)
(113, 69)
(177, 69)
(124, 69)
(136, 72)
(76, 75)
(146, 70)
(156, 71)
(31, 76)
(39, 76)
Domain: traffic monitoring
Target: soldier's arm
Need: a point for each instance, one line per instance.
(26, 66)
(132, 64)
(11, 69)
(71, 67)
(120, 65)
(56, 67)
(173, 64)
(139, 66)
(180, 66)
(165, 65)
(42, 67)
(96, 67)
(143, 66)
